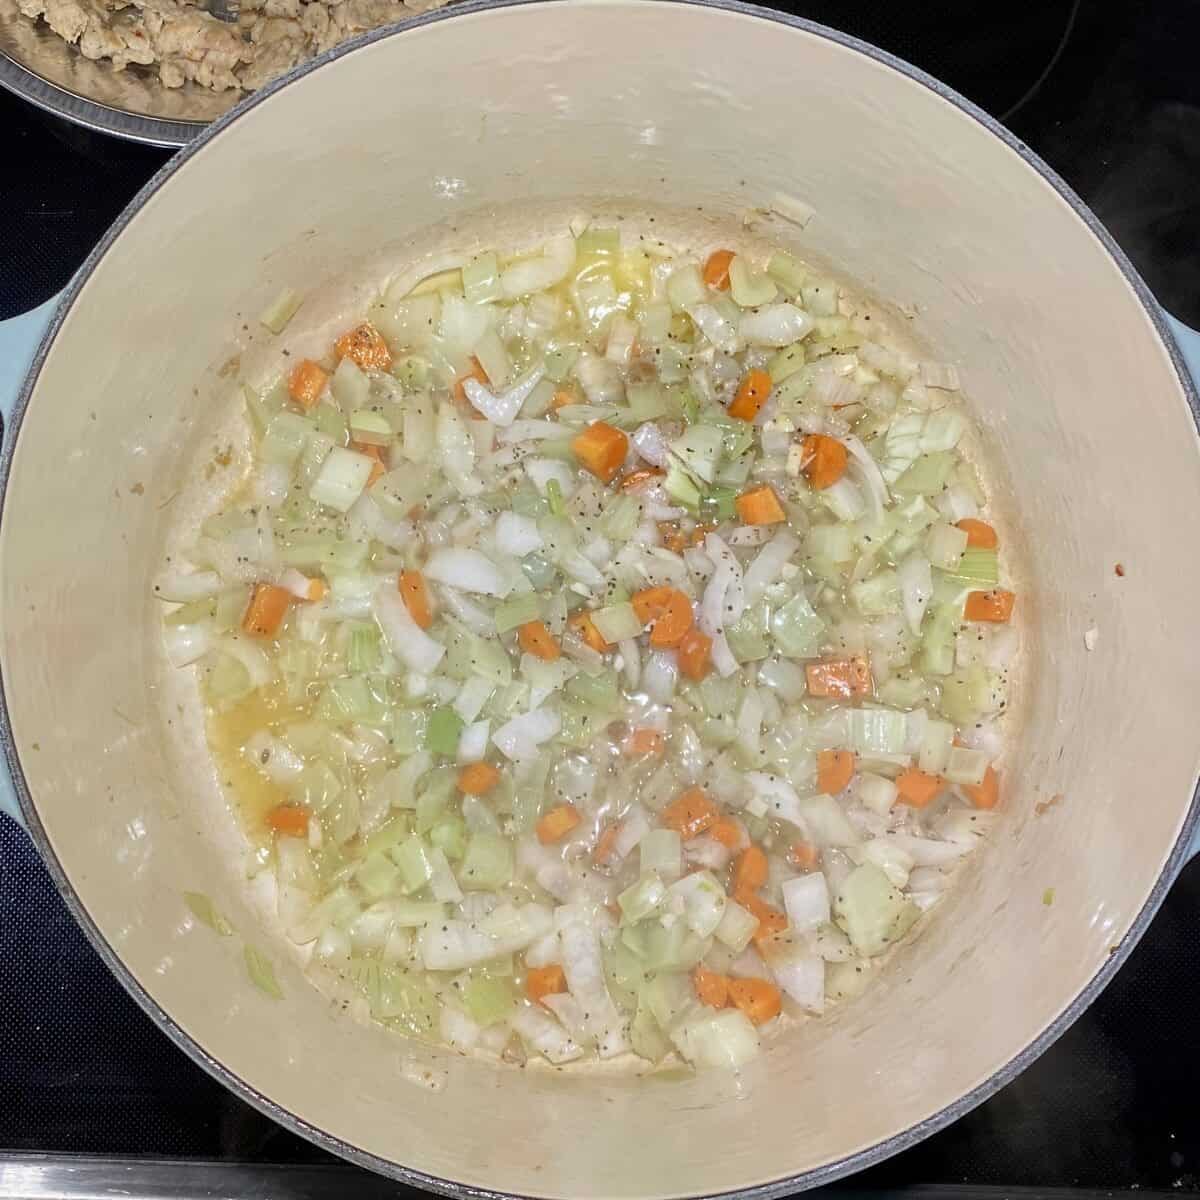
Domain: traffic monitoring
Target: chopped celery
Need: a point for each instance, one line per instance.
(786, 363)
(444, 729)
(378, 876)
(412, 372)
(517, 610)
(647, 401)
(642, 898)
(370, 428)
(412, 858)
(669, 997)
(718, 504)
(661, 852)
(487, 999)
(748, 638)
(977, 568)
(450, 836)
(481, 279)
(554, 498)
(350, 698)
(281, 310)
(877, 731)
(748, 287)
(409, 727)
(699, 450)
(871, 911)
(363, 651)
(262, 973)
(488, 863)
(617, 622)
(600, 692)
(945, 544)
(285, 438)
(787, 272)
(559, 361)
(541, 574)
(928, 475)
(797, 629)
(681, 488)
(964, 694)
(620, 519)
(877, 595)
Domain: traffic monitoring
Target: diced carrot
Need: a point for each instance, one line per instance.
(416, 597)
(365, 346)
(557, 823)
(669, 609)
(562, 398)
(378, 471)
(979, 533)
(750, 870)
(835, 769)
(267, 608)
(640, 476)
(583, 624)
(987, 793)
(289, 819)
(477, 373)
(317, 590)
(726, 832)
(607, 845)
(694, 655)
(716, 269)
(645, 741)
(537, 640)
(700, 531)
(995, 606)
(757, 998)
(760, 506)
(824, 460)
(601, 448)
(711, 989)
(307, 382)
(672, 536)
(770, 920)
(803, 855)
(916, 788)
(751, 395)
(369, 449)
(477, 778)
(839, 678)
(690, 813)
(544, 981)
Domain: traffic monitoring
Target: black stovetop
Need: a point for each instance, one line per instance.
(1109, 94)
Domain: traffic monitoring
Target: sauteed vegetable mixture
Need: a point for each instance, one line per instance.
(618, 639)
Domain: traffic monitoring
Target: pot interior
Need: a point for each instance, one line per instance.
(374, 162)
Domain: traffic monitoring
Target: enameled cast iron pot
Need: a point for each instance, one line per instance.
(500, 121)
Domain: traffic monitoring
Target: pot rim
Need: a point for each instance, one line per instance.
(813, 1177)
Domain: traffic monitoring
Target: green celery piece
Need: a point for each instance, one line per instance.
(445, 728)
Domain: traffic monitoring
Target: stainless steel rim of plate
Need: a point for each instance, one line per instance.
(775, 1188)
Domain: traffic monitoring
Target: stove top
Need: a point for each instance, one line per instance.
(1108, 93)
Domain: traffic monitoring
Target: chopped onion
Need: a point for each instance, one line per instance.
(520, 737)
(469, 570)
(775, 325)
(405, 638)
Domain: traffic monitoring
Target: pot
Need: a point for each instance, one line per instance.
(330, 180)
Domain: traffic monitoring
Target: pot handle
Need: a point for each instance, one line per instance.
(19, 340)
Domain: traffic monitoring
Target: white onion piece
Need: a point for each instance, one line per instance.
(273, 757)
(803, 979)
(253, 658)
(916, 589)
(472, 742)
(468, 570)
(768, 564)
(866, 469)
(775, 325)
(529, 431)
(502, 410)
(517, 535)
(184, 644)
(182, 587)
(520, 737)
(542, 470)
(405, 638)
(659, 675)
(650, 444)
(476, 618)
(806, 899)
(724, 598)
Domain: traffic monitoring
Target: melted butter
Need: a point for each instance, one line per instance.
(252, 793)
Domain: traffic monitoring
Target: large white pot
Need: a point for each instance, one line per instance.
(530, 112)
